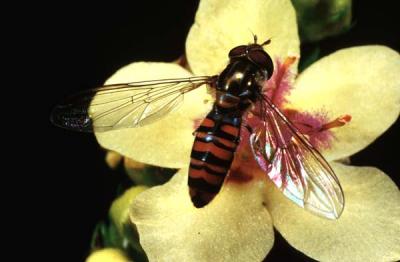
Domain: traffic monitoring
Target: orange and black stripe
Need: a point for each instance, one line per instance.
(212, 155)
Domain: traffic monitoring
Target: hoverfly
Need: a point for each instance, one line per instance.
(280, 149)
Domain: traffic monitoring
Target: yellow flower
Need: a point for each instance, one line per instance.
(107, 255)
(238, 224)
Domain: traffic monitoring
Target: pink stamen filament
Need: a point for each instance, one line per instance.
(338, 122)
(281, 73)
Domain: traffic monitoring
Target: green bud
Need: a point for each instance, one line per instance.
(319, 19)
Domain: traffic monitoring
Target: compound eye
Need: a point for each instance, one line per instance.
(263, 60)
(238, 51)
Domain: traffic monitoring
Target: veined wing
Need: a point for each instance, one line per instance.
(294, 165)
(124, 105)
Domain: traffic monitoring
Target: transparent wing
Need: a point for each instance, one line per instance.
(124, 105)
(294, 165)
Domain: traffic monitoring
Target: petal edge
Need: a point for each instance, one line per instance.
(368, 230)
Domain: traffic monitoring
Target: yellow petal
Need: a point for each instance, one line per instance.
(368, 230)
(168, 141)
(107, 255)
(119, 210)
(221, 25)
(235, 226)
(363, 82)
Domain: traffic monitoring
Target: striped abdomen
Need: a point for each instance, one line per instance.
(212, 155)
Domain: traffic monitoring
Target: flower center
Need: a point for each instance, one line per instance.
(315, 126)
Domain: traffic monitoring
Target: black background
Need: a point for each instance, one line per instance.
(66, 47)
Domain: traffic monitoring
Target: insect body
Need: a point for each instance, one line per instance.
(237, 87)
(280, 149)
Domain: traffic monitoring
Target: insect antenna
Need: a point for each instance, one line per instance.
(267, 42)
(255, 38)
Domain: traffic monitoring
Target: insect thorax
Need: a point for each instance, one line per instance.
(239, 84)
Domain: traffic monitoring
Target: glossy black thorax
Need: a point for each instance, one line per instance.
(240, 83)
